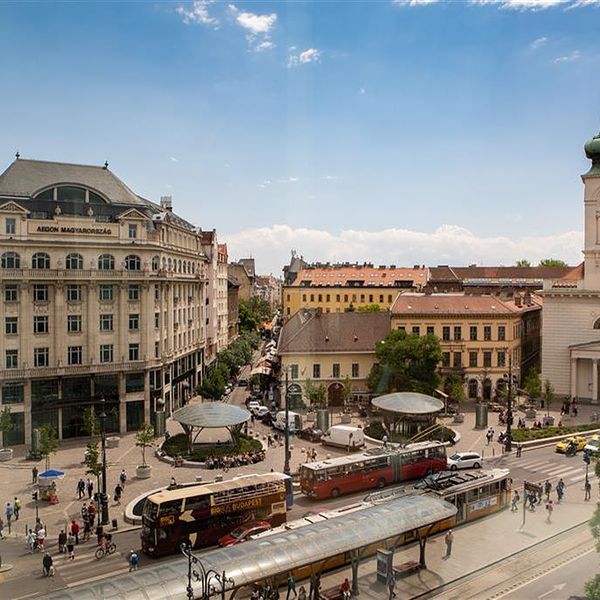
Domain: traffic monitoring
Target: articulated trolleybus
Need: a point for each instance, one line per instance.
(373, 468)
(198, 515)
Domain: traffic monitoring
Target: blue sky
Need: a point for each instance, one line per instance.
(397, 132)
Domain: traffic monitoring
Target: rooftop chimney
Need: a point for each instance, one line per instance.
(518, 301)
(166, 203)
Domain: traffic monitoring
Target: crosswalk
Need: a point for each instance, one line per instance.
(542, 469)
(86, 567)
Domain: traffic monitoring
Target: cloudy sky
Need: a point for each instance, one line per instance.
(404, 132)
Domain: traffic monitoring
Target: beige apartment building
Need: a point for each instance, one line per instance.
(103, 296)
(477, 334)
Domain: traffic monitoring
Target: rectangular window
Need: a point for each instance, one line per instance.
(106, 353)
(303, 297)
(12, 359)
(472, 359)
(294, 371)
(335, 373)
(337, 297)
(416, 330)
(380, 298)
(320, 298)
(156, 293)
(132, 231)
(501, 333)
(346, 298)
(501, 358)
(457, 360)
(401, 328)
(312, 297)
(134, 352)
(458, 332)
(11, 226)
(446, 359)
(133, 292)
(40, 357)
(362, 298)
(74, 355)
(10, 293)
(327, 298)
(40, 292)
(430, 330)
(445, 333)
(473, 333)
(106, 322)
(74, 323)
(134, 382)
(371, 298)
(487, 333)
(487, 359)
(13, 393)
(156, 349)
(105, 292)
(73, 293)
(156, 320)
(316, 371)
(355, 370)
(10, 325)
(134, 322)
(40, 324)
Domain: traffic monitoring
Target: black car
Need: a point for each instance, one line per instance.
(311, 434)
(268, 418)
(243, 382)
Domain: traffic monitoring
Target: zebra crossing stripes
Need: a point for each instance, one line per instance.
(84, 568)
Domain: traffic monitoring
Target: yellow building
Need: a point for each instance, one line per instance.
(339, 288)
(328, 348)
(477, 335)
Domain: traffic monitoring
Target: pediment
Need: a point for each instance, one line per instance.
(13, 207)
(591, 346)
(132, 214)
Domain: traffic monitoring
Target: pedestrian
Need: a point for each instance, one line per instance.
(87, 531)
(291, 587)
(34, 474)
(384, 439)
(118, 492)
(62, 541)
(91, 513)
(532, 499)
(345, 589)
(134, 561)
(31, 541)
(167, 436)
(588, 490)
(547, 489)
(391, 586)
(41, 538)
(514, 505)
(80, 489)
(302, 593)
(519, 450)
(1, 529)
(9, 514)
(449, 538)
(173, 482)
(71, 546)
(84, 512)
(489, 435)
(16, 508)
(90, 488)
(38, 525)
(75, 530)
(123, 478)
(560, 490)
(549, 509)
(48, 566)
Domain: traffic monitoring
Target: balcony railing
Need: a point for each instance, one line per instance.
(86, 274)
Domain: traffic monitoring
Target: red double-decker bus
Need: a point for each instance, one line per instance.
(198, 515)
(374, 468)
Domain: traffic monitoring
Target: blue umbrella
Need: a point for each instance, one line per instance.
(51, 474)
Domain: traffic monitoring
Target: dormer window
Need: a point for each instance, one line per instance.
(70, 193)
(133, 231)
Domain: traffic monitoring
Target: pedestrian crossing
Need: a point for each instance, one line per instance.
(543, 469)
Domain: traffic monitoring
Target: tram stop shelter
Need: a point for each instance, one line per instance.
(194, 418)
(407, 413)
(313, 548)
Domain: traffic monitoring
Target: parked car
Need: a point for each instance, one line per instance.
(252, 405)
(268, 419)
(312, 434)
(465, 460)
(593, 445)
(243, 532)
(243, 382)
(579, 440)
(344, 436)
(260, 411)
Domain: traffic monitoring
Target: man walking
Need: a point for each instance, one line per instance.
(588, 490)
(449, 539)
(16, 508)
(514, 505)
(560, 489)
(391, 587)
(9, 514)
(80, 489)
(118, 492)
(134, 561)
(90, 488)
(489, 435)
(549, 509)
(291, 587)
(547, 489)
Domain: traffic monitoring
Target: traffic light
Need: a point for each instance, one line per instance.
(34, 496)
(586, 457)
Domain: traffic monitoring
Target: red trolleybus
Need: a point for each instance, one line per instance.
(374, 468)
(198, 515)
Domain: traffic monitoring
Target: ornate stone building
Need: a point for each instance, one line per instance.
(103, 296)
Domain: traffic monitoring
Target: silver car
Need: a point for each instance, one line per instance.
(465, 460)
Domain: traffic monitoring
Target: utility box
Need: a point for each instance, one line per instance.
(385, 565)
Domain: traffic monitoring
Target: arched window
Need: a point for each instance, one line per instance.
(179, 266)
(74, 261)
(106, 262)
(155, 263)
(10, 260)
(170, 264)
(597, 324)
(40, 260)
(132, 262)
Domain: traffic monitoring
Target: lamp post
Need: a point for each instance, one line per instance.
(199, 573)
(103, 515)
(509, 415)
(286, 463)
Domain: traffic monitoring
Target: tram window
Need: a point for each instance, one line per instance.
(451, 499)
(484, 491)
(503, 484)
(495, 487)
(472, 495)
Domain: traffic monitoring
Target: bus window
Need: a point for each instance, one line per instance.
(172, 507)
(197, 503)
(150, 510)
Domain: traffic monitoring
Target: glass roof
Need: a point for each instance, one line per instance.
(408, 403)
(211, 414)
(265, 557)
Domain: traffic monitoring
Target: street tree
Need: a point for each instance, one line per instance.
(552, 262)
(533, 384)
(6, 422)
(455, 389)
(316, 394)
(144, 438)
(523, 262)
(49, 442)
(92, 461)
(213, 386)
(369, 308)
(347, 389)
(91, 422)
(592, 586)
(406, 363)
(548, 395)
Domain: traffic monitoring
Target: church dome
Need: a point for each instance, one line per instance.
(592, 147)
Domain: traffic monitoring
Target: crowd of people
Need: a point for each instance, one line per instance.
(237, 460)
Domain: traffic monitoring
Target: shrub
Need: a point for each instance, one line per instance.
(527, 435)
(176, 445)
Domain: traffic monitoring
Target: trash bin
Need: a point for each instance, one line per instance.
(114, 524)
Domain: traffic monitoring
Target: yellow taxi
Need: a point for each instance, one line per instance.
(578, 439)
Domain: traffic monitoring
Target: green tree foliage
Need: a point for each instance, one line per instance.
(248, 320)
(548, 395)
(406, 363)
(6, 422)
(523, 262)
(347, 390)
(213, 386)
(369, 308)
(316, 394)
(592, 588)
(253, 313)
(91, 422)
(455, 388)
(144, 438)
(92, 461)
(49, 442)
(533, 384)
(552, 262)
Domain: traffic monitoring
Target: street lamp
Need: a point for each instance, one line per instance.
(286, 463)
(198, 572)
(103, 514)
(509, 415)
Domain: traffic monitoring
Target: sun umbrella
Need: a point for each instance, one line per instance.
(51, 474)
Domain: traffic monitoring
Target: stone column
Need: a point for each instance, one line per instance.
(594, 381)
(573, 377)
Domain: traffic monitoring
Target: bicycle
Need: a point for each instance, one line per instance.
(108, 548)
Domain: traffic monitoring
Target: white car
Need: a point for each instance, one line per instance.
(260, 411)
(465, 460)
(253, 405)
(593, 445)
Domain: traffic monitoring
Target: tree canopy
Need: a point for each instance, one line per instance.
(552, 262)
(533, 384)
(253, 313)
(522, 262)
(406, 363)
(369, 308)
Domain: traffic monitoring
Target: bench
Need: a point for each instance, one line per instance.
(406, 568)
(332, 593)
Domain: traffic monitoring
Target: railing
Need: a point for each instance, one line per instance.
(78, 274)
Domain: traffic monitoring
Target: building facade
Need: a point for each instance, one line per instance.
(347, 287)
(103, 297)
(233, 309)
(478, 335)
(238, 273)
(268, 288)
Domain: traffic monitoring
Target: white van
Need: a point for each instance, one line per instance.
(294, 421)
(344, 436)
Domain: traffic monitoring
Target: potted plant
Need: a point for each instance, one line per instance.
(6, 425)
(143, 439)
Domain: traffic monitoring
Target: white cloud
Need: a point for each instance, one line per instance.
(575, 55)
(448, 244)
(303, 58)
(362, 91)
(332, 178)
(197, 14)
(413, 2)
(173, 159)
(258, 28)
(538, 43)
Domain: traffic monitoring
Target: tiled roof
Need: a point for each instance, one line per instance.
(518, 273)
(460, 304)
(370, 276)
(570, 279)
(313, 331)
